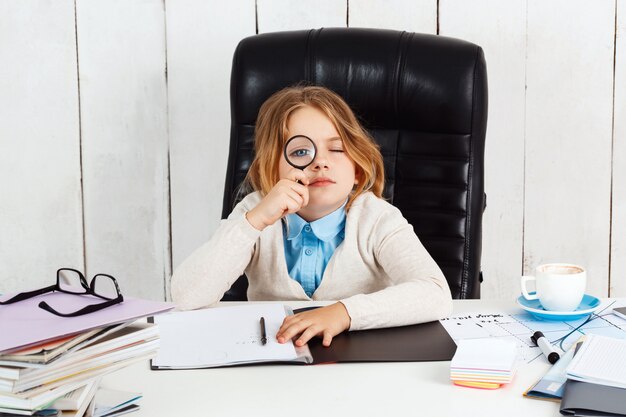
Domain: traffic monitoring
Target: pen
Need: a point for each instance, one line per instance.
(546, 348)
(263, 333)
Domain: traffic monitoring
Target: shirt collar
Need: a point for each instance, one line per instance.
(324, 229)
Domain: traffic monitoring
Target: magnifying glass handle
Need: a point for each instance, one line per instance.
(300, 181)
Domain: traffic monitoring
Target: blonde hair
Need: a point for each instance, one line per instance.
(271, 134)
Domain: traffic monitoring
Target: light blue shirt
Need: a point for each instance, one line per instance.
(309, 246)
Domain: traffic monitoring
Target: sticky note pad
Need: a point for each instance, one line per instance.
(484, 360)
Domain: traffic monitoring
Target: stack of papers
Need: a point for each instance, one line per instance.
(601, 360)
(484, 361)
(50, 363)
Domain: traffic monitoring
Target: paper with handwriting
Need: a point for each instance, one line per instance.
(519, 327)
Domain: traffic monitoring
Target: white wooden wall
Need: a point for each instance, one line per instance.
(114, 129)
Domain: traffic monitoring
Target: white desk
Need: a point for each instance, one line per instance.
(364, 389)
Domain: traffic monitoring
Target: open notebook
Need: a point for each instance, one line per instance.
(227, 336)
(224, 336)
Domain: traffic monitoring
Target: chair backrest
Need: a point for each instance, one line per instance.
(424, 100)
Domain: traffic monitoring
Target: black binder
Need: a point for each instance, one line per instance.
(586, 399)
(415, 343)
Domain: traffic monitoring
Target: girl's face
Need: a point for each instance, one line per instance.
(332, 173)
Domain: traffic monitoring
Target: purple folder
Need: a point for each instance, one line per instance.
(24, 323)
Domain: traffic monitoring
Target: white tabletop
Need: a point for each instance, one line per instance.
(361, 389)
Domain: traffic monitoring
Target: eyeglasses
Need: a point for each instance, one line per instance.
(71, 281)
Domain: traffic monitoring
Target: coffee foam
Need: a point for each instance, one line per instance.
(561, 269)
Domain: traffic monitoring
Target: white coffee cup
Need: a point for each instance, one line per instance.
(559, 287)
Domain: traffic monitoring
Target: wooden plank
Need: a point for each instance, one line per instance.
(279, 15)
(618, 224)
(568, 136)
(40, 203)
(201, 39)
(410, 15)
(500, 29)
(121, 50)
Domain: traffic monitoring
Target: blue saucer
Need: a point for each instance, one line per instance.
(588, 305)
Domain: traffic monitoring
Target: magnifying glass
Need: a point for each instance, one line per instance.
(300, 151)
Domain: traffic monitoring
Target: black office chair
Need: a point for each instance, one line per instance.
(424, 100)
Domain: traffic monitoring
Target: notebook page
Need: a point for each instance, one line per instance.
(601, 360)
(221, 336)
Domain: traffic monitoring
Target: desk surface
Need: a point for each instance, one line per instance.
(361, 389)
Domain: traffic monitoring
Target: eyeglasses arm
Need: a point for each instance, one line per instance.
(29, 294)
(85, 310)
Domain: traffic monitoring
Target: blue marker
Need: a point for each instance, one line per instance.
(540, 340)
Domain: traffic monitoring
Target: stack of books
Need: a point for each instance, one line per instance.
(484, 363)
(44, 369)
(32, 379)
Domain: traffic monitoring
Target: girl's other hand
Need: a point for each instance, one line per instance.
(326, 322)
(287, 196)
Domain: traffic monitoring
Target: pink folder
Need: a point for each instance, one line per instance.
(24, 323)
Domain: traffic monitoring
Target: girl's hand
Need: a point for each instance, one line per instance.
(287, 196)
(326, 322)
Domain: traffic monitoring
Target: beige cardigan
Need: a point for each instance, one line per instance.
(381, 272)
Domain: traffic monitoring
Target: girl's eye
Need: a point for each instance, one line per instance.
(300, 153)
(336, 150)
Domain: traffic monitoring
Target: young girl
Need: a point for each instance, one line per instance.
(322, 233)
